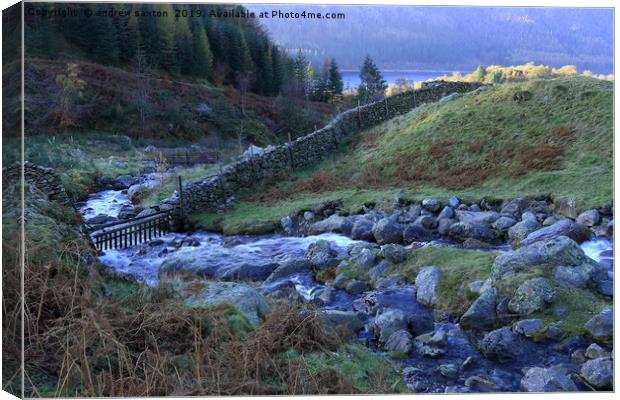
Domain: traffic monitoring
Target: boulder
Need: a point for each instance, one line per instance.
(356, 247)
(520, 230)
(595, 351)
(431, 344)
(454, 201)
(399, 342)
(387, 231)
(443, 227)
(101, 219)
(503, 344)
(550, 220)
(124, 182)
(553, 379)
(393, 253)
(321, 255)
(189, 261)
(331, 319)
(426, 284)
(245, 298)
(601, 326)
(572, 276)
(503, 223)
(146, 212)
(477, 217)
(246, 272)
(379, 269)
(426, 221)
(531, 296)
(589, 218)
(417, 233)
(335, 223)
(461, 231)
(389, 321)
(554, 252)
(599, 373)
(135, 191)
(513, 207)
(481, 314)
(363, 261)
(431, 205)
(362, 230)
(447, 212)
(450, 371)
(356, 287)
(528, 327)
(528, 216)
(127, 212)
(565, 227)
(567, 207)
(389, 282)
(287, 268)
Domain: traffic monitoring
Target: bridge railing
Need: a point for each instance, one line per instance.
(123, 234)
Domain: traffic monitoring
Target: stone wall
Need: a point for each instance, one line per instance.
(213, 191)
(44, 179)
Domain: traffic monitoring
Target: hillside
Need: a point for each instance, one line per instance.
(539, 138)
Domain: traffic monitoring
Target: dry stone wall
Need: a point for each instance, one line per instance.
(213, 191)
(44, 179)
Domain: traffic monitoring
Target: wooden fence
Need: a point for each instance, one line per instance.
(188, 156)
(123, 234)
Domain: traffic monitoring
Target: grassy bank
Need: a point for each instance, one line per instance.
(544, 137)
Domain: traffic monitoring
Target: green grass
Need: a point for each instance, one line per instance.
(543, 137)
(359, 364)
(458, 268)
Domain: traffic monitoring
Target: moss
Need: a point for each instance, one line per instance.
(362, 366)
(458, 268)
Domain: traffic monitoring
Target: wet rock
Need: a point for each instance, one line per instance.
(334, 223)
(601, 326)
(572, 276)
(289, 225)
(595, 351)
(416, 380)
(363, 261)
(388, 322)
(155, 242)
(605, 287)
(127, 212)
(426, 284)
(101, 219)
(245, 298)
(513, 207)
(565, 227)
(426, 221)
(341, 281)
(446, 213)
(247, 272)
(356, 247)
(503, 223)
(554, 252)
(124, 182)
(567, 207)
(431, 205)
(362, 230)
(481, 314)
(287, 268)
(461, 231)
(519, 231)
(393, 253)
(146, 212)
(589, 218)
(532, 296)
(480, 383)
(399, 342)
(578, 356)
(379, 269)
(432, 344)
(331, 319)
(389, 282)
(528, 327)
(187, 261)
(450, 371)
(503, 344)
(387, 231)
(416, 233)
(599, 373)
(553, 379)
(356, 287)
(321, 255)
(135, 191)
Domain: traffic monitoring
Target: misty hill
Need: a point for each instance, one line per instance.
(453, 38)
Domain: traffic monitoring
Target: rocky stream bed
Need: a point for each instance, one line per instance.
(345, 267)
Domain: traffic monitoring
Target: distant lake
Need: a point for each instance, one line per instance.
(351, 79)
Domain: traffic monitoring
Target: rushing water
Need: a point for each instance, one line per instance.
(144, 261)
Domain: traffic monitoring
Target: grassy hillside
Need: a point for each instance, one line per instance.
(544, 137)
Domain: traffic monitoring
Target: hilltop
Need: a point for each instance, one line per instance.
(537, 138)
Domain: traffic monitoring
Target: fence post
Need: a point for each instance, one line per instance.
(186, 158)
(386, 107)
(359, 115)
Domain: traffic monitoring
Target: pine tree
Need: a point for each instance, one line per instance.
(335, 79)
(202, 56)
(278, 71)
(166, 31)
(184, 46)
(300, 74)
(105, 49)
(372, 86)
(129, 37)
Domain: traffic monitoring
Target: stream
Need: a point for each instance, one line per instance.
(420, 373)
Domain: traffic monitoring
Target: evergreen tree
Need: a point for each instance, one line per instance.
(278, 71)
(335, 84)
(129, 37)
(300, 74)
(166, 32)
(202, 56)
(372, 86)
(105, 49)
(184, 46)
(480, 73)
